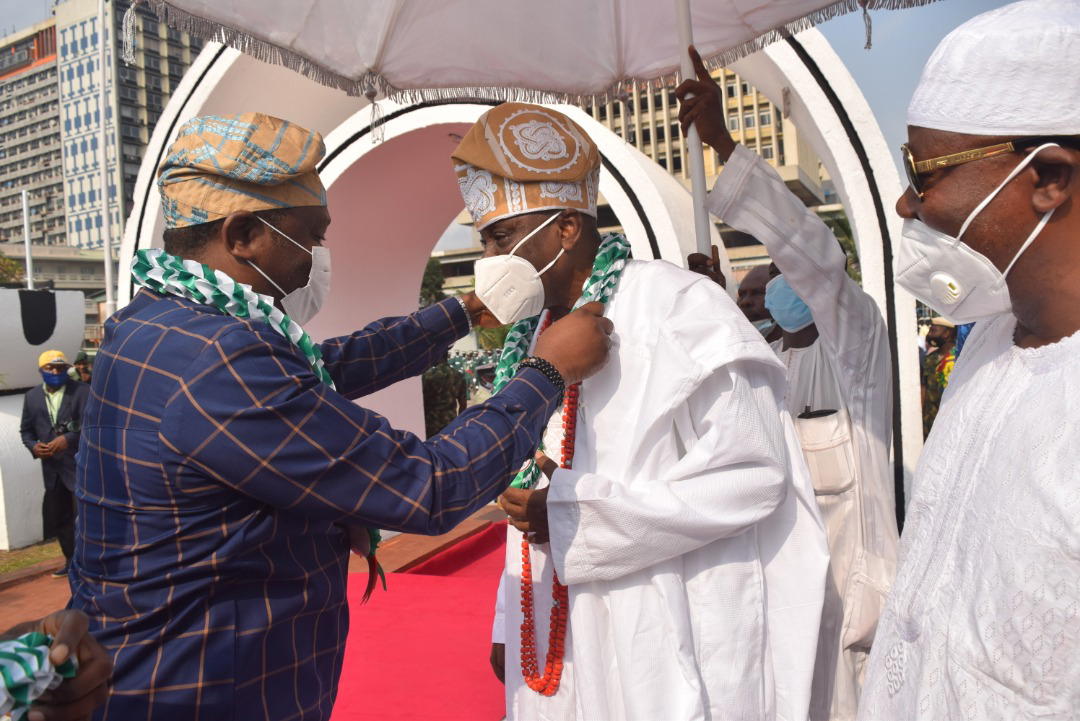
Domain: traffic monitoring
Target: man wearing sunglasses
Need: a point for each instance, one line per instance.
(982, 620)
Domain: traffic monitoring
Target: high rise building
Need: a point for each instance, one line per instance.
(650, 122)
(30, 136)
(134, 103)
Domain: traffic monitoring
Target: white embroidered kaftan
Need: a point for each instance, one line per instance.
(848, 370)
(984, 618)
(686, 531)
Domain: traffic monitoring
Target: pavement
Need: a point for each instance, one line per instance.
(32, 599)
(32, 593)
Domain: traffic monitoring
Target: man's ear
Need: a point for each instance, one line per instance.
(570, 228)
(244, 235)
(1056, 178)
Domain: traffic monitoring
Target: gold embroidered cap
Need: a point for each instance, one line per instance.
(219, 164)
(520, 158)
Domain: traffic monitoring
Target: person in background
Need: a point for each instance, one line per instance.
(937, 365)
(751, 295)
(446, 396)
(50, 428)
(834, 344)
(81, 368)
(962, 332)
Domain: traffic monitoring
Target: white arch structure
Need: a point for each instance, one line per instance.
(391, 201)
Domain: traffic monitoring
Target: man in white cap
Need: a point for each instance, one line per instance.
(681, 519)
(982, 621)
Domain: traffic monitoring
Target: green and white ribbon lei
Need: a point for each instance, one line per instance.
(170, 275)
(610, 260)
(27, 672)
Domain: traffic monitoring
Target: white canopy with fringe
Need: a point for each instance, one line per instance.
(544, 51)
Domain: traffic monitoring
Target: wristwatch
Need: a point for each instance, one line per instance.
(549, 371)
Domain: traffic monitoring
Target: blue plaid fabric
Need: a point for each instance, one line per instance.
(215, 474)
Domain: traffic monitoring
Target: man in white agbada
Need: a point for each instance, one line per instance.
(835, 346)
(686, 529)
(982, 621)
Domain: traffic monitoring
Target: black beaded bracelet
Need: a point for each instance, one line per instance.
(549, 371)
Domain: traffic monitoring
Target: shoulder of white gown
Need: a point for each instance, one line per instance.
(691, 310)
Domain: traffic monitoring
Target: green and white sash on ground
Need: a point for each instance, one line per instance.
(610, 260)
(27, 672)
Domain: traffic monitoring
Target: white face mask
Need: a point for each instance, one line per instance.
(304, 303)
(510, 286)
(950, 276)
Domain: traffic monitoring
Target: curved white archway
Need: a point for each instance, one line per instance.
(393, 199)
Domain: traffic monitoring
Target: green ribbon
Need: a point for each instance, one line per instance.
(170, 275)
(607, 267)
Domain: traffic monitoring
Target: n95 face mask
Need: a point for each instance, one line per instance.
(950, 276)
(509, 285)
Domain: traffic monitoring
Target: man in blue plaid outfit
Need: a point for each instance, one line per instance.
(225, 467)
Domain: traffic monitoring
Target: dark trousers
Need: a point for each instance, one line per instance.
(58, 517)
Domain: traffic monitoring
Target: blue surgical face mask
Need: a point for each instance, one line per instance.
(765, 326)
(54, 380)
(785, 306)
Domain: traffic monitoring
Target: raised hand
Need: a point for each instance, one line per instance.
(701, 103)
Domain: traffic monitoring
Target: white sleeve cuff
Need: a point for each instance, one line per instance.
(568, 548)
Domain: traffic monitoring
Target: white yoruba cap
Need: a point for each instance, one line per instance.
(1010, 71)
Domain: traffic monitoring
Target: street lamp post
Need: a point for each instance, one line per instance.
(26, 240)
(103, 158)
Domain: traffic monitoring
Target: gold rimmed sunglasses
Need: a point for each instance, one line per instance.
(917, 168)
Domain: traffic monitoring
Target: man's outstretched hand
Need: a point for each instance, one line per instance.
(701, 103)
(481, 316)
(577, 344)
(76, 698)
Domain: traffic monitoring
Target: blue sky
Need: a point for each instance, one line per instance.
(902, 43)
(18, 14)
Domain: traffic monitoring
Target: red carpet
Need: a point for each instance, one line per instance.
(419, 651)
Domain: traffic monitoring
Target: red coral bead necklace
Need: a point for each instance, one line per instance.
(547, 683)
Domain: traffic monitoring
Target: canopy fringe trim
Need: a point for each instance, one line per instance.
(373, 84)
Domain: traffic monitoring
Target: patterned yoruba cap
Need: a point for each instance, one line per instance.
(520, 158)
(219, 164)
